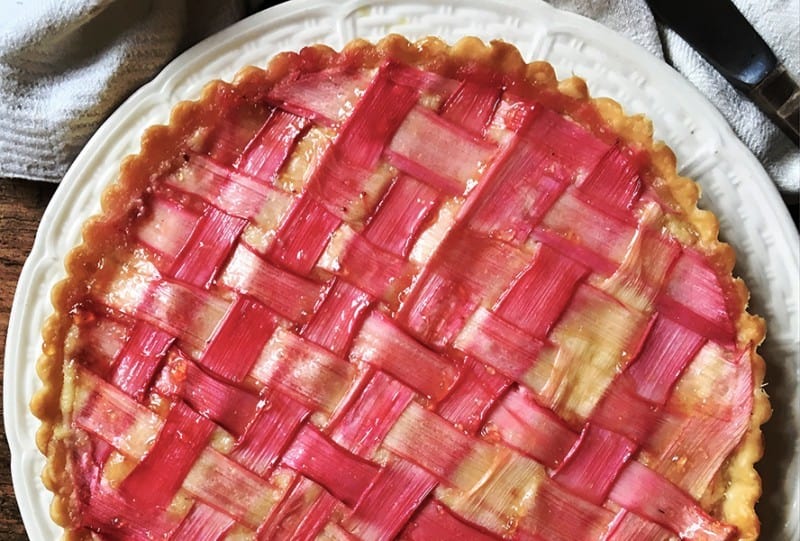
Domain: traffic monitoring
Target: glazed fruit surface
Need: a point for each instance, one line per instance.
(402, 290)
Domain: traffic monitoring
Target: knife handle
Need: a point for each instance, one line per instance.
(778, 95)
(722, 35)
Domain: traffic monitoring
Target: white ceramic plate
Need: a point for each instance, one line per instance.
(752, 215)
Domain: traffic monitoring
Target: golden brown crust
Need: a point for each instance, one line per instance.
(732, 495)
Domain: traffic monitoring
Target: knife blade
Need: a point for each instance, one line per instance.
(723, 36)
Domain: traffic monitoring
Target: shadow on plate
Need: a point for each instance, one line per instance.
(780, 440)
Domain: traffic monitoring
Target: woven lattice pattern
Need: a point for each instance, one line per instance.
(405, 305)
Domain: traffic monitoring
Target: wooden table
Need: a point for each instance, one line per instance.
(21, 206)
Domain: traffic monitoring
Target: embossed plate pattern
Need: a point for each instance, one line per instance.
(752, 215)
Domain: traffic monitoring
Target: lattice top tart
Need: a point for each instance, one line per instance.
(403, 290)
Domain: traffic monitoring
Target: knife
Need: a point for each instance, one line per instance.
(720, 33)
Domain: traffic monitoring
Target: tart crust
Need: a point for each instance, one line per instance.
(736, 487)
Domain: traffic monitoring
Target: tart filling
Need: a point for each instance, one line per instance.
(403, 290)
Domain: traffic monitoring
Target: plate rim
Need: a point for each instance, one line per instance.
(41, 255)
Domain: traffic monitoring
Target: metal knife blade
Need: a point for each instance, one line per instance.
(721, 34)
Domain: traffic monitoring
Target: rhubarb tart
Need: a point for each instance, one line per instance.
(404, 290)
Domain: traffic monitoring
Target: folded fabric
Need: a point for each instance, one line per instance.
(66, 64)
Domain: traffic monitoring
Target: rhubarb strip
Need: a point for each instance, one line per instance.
(514, 194)
(628, 526)
(325, 96)
(400, 215)
(466, 269)
(204, 523)
(471, 106)
(317, 518)
(382, 109)
(224, 140)
(667, 351)
(382, 344)
(114, 417)
(139, 359)
(377, 408)
(585, 233)
(625, 411)
(633, 403)
(228, 406)
(559, 516)
(188, 313)
(268, 150)
(435, 522)
(520, 422)
(340, 178)
(591, 467)
(437, 152)
(290, 296)
(568, 142)
(429, 441)
(651, 496)
(156, 479)
(303, 235)
(694, 297)
(236, 193)
(110, 514)
(166, 227)
(498, 344)
(381, 274)
(538, 297)
(390, 501)
(239, 339)
(426, 82)
(702, 420)
(343, 474)
(297, 504)
(272, 428)
(307, 373)
(474, 394)
(498, 488)
(227, 486)
(596, 338)
(338, 318)
(613, 184)
(650, 255)
(207, 248)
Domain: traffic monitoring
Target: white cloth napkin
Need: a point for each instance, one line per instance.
(66, 64)
(778, 22)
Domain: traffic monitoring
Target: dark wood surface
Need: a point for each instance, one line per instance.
(21, 206)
